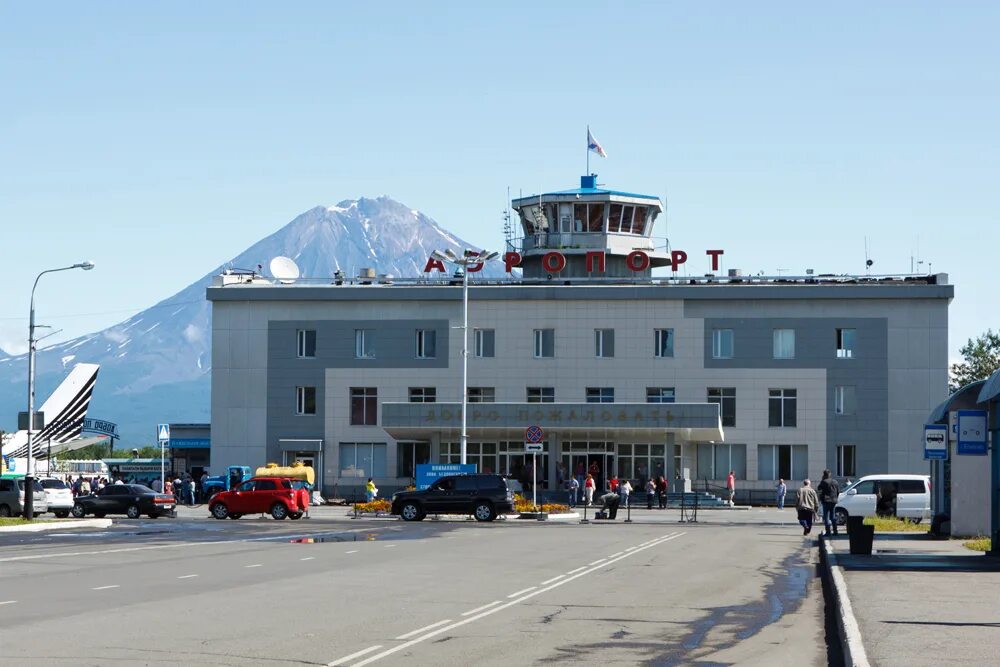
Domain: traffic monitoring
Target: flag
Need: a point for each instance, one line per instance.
(592, 144)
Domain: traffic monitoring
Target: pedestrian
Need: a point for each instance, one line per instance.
(84, 486)
(829, 492)
(370, 490)
(157, 485)
(661, 492)
(168, 488)
(806, 505)
(613, 484)
(780, 490)
(190, 490)
(731, 486)
(625, 491)
(573, 487)
(650, 492)
(588, 489)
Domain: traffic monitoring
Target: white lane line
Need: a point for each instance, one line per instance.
(187, 576)
(308, 558)
(494, 609)
(8, 602)
(479, 609)
(599, 560)
(389, 546)
(522, 592)
(629, 548)
(424, 629)
(579, 569)
(353, 551)
(616, 555)
(348, 658)
(556, 578)
(255, 565)
(104, 588)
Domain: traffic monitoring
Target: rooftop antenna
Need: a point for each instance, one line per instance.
(868, 257)
(508, 231)
(284, 270)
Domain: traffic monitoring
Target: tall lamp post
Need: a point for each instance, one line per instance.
(29, 478)
(468, 258)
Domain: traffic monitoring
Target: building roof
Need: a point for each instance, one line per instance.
(991, 388)
(592, 191)
(965, 398)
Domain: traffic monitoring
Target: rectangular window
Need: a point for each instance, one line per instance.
(844, 402)
(305, 400)
(541, 395)
(600, 394)
(604, 342)
(409, 455)
(423, 394)
(545, 343)
(364, 406)
(846, 340)
(482, 394)
(663, 343)
(782, 408)
(364, 344)
(716, 460)
(305, 343)
(846, 457)
(784, 343)
(787, 462)
(426, 343)
(722, 343)
(484, 343)
(362, 459)
(726, 398)
(659, 394)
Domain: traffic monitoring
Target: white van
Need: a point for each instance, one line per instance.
(903, 496)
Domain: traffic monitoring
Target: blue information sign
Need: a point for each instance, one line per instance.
(972, 432)
(428, 472)
(935, 442)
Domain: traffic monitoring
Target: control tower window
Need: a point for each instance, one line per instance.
(588, 218)
(639, 220)
(615, 219)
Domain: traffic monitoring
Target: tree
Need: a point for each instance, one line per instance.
(982, 358)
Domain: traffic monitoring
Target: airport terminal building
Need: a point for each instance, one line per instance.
(636, 374)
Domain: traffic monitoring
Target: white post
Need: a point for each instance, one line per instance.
(465, 358)
(163, 471)
(29, 478)
(534, 480)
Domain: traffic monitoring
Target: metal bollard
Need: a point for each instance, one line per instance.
(628, 508)
(584, 519)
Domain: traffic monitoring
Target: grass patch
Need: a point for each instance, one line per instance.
(18, 521)
(978, 544)
(893, 525)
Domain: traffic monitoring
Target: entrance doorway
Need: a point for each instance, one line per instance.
(594, 457)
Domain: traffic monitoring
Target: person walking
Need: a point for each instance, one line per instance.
(780, 490)
(370, 490)
(613, 484)
(806, 505)
(829, 491)
(573, 487)
(625, 491)
(661, 492)
(731, 486)
(650, 492)
(588, 489)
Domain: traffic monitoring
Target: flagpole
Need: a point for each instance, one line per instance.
(588, 151)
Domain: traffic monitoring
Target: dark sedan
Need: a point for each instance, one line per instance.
(132, 500)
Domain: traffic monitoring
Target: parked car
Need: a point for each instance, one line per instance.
(904, 496)
(12, 497)
(261, 495)
(58, 496)
(483, 496)
(132, 500)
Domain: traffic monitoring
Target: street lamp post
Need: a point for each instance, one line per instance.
(29, 478)
(468, 258)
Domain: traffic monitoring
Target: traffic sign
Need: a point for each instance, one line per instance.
(533, 447)
(533, 434)
(972, 432)
(935, 442)
(163, 432)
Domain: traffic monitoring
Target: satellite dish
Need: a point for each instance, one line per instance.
(284, 269)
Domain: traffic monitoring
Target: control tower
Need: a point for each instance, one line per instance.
(589, 232)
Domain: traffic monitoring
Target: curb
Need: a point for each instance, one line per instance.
(57, 525)
(847, 625)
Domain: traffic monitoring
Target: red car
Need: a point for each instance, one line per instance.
(271, 495)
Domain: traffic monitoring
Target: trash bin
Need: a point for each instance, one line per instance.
(860, 536)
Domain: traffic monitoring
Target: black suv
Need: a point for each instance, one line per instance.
(483, 496)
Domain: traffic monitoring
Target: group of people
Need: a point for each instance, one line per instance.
(82, 486)
(810, 502)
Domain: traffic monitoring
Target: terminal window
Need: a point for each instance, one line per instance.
(600, 394)
(364, 406)
(659, 394)
(482, 394)
(423, 394)
(362, 459)
(722, 343)
(409, 455)
(726, 398)
(541, 395)
(364, 344)
(782, 408)
(846, 457)
(604, 343)
(484, 342)
(784, 343)
(663, 343)
(844, 402)
(545, 343)
(846, 340)
(305, 343)
(305, 400)
(782, 462)
(426, 343)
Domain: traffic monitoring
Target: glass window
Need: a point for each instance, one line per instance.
(364, 406)
(600, 394)
(423, 394)
(615, 218)
(663, 342)
(604, 342)
(845, 461)
(659, 394)
(726, 398)
(305, 400)
(639, 220)
(364, 344)
(465, 483)
(541, 395)
(784, 343)
(484, 342)
(362, 459)
(782, 408)
(844, 402)
(266, 485)
(595, 216)
(911, 486)
(722, 343)
(785, 462)
(865, 488)
(245, 486)
(426, 343)
(409, 455)
(846, 340)
(482, 395)
(306, 343)
(545, 343)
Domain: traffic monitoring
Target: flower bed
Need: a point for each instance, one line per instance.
(524, 506)
(378, 506)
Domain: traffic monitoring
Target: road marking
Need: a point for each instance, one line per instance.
(424, 629)
(629, 548)
(579, 569)
(348, 658)
(615, 555)
(478, 609)
(494, 608)
(254, 565)
(599, 560)
(187, 576)
(354, 551)
(102, 588)
(8, 602)
(389, 546)
(556, 578)
(308, 558)
(522, 592)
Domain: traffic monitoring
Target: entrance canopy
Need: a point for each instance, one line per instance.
(690, 421)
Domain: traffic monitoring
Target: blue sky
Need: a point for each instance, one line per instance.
(159, 140)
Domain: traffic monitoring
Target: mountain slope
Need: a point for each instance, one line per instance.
(155, 365)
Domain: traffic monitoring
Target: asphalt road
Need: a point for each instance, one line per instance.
(736, 588)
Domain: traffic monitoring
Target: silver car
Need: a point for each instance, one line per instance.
(12, 497)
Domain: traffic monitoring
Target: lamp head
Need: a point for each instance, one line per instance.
(487, 256)
(440, 256)
(86, 266)
(450, 255)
